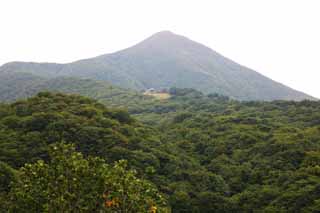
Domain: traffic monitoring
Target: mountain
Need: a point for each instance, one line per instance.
(167, 60)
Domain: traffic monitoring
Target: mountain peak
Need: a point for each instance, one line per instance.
(164, 32)
(164, 35)
(166, 40)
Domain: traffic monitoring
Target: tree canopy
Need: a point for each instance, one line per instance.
(203, 153)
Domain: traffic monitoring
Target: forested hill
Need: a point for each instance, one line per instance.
(15, 86)
(203, 153)
(167, 60)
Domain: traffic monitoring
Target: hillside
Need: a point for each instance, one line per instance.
(167, 60)
(15, 86)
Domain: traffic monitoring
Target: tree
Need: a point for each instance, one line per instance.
(71, 183)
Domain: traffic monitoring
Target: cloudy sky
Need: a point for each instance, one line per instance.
(278, 38)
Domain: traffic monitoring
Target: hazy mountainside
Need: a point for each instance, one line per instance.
(167, 60)
(15, 85)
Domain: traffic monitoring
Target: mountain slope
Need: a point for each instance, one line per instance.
(167, 60)
(15, 85)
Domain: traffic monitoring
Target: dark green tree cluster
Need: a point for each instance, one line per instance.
(71, 183)
(29, 127)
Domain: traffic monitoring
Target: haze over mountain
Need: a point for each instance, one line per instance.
(167, 60)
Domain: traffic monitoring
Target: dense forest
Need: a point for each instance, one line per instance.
(189, 153)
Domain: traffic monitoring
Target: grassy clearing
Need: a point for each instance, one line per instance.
(158, 95)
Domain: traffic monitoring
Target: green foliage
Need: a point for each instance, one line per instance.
(28, 127)
(7, 175)
(261, 150)
(71, 183)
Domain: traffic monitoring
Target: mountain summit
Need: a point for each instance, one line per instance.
(168, 60)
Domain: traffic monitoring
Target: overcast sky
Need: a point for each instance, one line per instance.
(278, 38)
